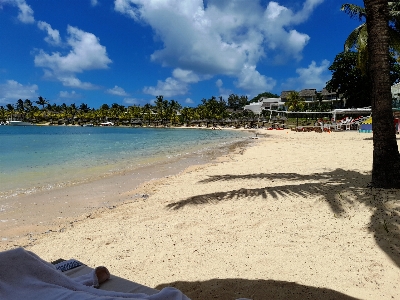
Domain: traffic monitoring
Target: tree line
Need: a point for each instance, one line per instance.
(162, 112)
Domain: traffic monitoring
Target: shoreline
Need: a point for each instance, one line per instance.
(289, 216)
(25, 216)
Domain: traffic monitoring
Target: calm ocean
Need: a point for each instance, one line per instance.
(35, 158)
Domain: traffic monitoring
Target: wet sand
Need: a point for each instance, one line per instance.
(289, 217)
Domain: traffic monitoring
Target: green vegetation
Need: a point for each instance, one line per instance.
(163, 113)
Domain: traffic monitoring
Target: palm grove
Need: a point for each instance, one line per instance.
(162, 112)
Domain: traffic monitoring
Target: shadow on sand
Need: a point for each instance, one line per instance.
(230, 289)
(339, 188)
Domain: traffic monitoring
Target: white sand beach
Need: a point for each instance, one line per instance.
(290, 217)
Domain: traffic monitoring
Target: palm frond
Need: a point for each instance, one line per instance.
(362, 59)
(354, 37)
(394, 40)
(354, 11)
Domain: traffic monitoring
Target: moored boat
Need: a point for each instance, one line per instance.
(19, 123)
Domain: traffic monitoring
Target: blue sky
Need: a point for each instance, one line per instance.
(130, 51)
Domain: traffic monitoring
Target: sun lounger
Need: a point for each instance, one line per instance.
(75, 269)
(24, 275)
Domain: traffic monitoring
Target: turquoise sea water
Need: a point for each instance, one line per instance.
(36, 158)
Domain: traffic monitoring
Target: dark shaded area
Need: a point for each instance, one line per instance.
(344, 180)
(331, 186)
(230, 289)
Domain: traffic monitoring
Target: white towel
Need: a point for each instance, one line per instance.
(24, 275)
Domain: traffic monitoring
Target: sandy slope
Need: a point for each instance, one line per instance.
(290, 217)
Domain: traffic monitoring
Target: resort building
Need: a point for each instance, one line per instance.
(265, 103)
(310, 96)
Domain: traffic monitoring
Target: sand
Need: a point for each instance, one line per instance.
(290, 217)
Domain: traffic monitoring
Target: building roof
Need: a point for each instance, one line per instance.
(308, 93)
(325, 92)
(285, 94)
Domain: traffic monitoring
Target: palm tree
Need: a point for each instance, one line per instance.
(3, 113)
(295, 103)
(42, 101)
(10, 111)
(386, 157)
(358, 38)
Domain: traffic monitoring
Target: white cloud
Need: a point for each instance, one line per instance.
(53, 35)
(131, 101)
(313, 76)
(72, 81)
(252, 81)
(86, 54)
(223, 92)
(11, 91)
(169, 87)
(118, 91)
(94, 2)
(69, 95)
(221, 37)
(185, 75)
(25, 14)
(189, 101)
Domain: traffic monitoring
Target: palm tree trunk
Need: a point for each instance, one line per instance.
(386, 158)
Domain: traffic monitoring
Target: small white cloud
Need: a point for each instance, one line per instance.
(53, 35)
(252, 81)
(185, 75)
(223, 92)
(74, 82)
(189, 101)
(25, 14)
(69, 95)
(86, 54)
(313, 76)
(132, 101)
(169, 87)
(118, 91)
(94, 2)
(11, 91)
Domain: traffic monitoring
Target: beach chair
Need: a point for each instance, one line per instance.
(75, 269)
(26, 276)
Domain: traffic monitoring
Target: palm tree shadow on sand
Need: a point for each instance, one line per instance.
(339, 188)
(229, 289)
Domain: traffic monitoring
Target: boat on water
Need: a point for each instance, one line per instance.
(19, 123)
(107, 124)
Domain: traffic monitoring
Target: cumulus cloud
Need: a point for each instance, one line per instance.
(25, 13)
(53, 35)
(72, 81)
(169, 87)
(221, 37)
(118, 91)
(11, 91)
(222, 91)
(86, 54)
(69, 95)
(313, 76)
(189, 101)
(185, 75)
(252, 81)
